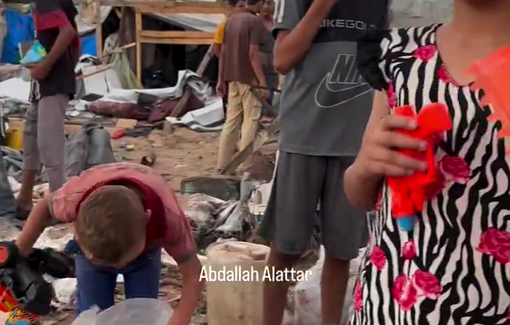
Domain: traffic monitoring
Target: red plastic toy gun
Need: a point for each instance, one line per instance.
(410, 192)
(493, 76)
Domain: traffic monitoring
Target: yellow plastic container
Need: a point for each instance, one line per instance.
(14, 138)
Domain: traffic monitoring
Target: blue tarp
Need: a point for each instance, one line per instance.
(20, 28)
(88, 44)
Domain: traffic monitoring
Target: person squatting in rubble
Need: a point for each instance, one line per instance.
(123, 215)
(53, 85)
(323, 112)
(453, 266)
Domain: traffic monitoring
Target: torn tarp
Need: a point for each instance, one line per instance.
(206, 119)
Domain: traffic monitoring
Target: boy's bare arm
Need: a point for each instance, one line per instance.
(66, 36)
(190, 292)
(39, 219)
(292, 45)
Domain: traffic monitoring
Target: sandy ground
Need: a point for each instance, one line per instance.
(181, 154)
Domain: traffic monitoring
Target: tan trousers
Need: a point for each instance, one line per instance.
(243, 113)
(44, 138)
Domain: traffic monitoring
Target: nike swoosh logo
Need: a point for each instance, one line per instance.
(326, 97)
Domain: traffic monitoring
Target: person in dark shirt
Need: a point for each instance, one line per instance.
(53, 85)
(267, 48)
(241, 68)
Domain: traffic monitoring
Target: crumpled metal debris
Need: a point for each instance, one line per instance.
(212, 218)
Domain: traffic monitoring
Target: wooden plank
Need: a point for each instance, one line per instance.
(164, 4)
(182, 41)
(138, 29)
(175, 34)
(175, 37)
(99, 30)
(261, 139)
(148, 9)
(187, 92)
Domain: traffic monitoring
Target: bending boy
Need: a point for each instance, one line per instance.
(123, 215)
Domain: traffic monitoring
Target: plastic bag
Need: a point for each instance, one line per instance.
(407, 13)
(36, 53)
(307, 294)
(138, 311)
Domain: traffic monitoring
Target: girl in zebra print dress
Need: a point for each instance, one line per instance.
(454, 267)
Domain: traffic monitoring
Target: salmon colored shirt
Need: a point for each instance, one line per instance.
(170, 226)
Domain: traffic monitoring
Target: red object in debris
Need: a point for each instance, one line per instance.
(116, 135)
(493, 76)
(409, 193)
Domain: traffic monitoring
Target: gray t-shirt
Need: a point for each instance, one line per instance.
(325, 102)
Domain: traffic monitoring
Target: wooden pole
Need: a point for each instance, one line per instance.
(138, 29)
(99, 30)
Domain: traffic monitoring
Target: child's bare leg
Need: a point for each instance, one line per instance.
(335, 275)
(275, 293)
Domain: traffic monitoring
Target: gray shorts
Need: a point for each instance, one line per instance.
(301, 183)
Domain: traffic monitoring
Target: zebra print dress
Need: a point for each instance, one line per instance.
(454, 267)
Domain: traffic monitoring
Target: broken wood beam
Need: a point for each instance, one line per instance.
(262, 138)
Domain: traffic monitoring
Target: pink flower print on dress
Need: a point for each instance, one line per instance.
(409, 250)
(427, 284)
(391, 96)
(425, 53)
(378, 258)
(496, 243)
(358, 297)
(404, 292)
(444, 76)
(455, 169)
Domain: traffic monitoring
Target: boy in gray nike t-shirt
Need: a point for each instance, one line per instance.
(324, 109)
